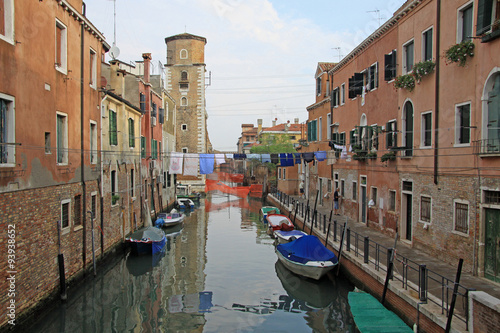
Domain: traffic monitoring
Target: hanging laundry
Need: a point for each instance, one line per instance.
(266, 158)
(298, 158)
(330, 157)
(240, 156)
(253, 157)
(219, 159)
(343, 155)
(289, 157)
(320, 155)
(308, 157)
(175, 163)
(229, 156)
(191, 163)
(283, 160)
(206, 164)
(275, 158)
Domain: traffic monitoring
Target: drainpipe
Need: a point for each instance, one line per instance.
(101, 196)
(436, 89)
(82, 137)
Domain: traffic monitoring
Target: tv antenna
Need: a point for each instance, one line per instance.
(114, 51)
(379, 18)
(338, 49)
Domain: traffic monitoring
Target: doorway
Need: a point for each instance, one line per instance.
(492, 244)
(407, 211)
(363, 199)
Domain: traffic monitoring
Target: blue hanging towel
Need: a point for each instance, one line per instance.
(206, 164)
(320, 155)
(308, 157)
(266, 158)
(298, 158)
(289, 158)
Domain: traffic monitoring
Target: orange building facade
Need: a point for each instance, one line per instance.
(413, 141)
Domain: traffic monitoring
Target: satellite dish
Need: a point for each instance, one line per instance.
(114, 52)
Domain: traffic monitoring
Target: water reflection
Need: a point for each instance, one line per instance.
(219, 273)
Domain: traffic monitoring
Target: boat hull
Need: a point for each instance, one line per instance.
(279, 222)
(312, 269)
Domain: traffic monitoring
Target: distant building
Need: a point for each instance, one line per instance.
(185, 75)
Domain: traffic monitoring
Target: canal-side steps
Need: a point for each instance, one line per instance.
(421, 288)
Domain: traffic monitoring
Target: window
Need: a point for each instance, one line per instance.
(356, 85)
(461, 217)
(145, 190)
(184, 76)
(7, 20)
(131, 133)
(427, 45)
(335, 99)
(329, 186)
(279, 173)
(408, 57)
(185, 150)
(113, 133)
(154, 149)
(161, 115)
(65, 218)
(93, 69)
(142, 102)
(284, 173)
(143, 147)
(408, 128)
(62, 138)
(342, 187)
(153, 110)
(392, 201)
(184, 127)
(61, 47)
(336, 178)
(318, 86)
(354, 191)
(169, 181)
(113, 183)
(47, 143)
(391, 136)
(184, 54)
(390, 66)
(492, 197)
(132, 184)
(425, 209)
(183, 86)
(342, 94)
(464, 29)
(372, 77)
(491, 112)
(77, 211)
(320, 129)
(488, 11)
(312, 130)
(329, 126)
(7, 130)
(184, 101)
(462, 128)
(374, 196)
(426, 135)
(93, 205)
(93, 142)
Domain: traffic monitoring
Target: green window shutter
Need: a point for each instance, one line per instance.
(143, 147)
(131, 133)
(309, 131)
(484, 12)
(113, 135)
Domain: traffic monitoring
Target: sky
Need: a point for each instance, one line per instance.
(261, 55)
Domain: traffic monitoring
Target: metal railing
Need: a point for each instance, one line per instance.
(411, 275)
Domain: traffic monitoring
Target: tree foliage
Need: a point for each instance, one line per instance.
(273, 144)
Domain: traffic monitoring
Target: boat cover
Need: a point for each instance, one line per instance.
(306, 248)
(291, 233)
(151, 235)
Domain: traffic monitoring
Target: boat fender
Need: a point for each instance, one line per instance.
(292, 238)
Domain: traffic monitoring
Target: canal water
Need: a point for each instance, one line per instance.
(219, 273)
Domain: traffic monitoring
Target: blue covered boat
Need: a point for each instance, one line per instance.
(287, 236)
(149, 240)
(307, 256)
(169, 219)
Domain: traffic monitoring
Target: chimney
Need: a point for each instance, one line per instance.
(147, 62)
(117, 78)
(259, 125)
(274, 121)
(296, 120)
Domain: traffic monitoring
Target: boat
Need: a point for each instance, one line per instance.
(171, 219)
(307, 256)
(184, 203)
(266, 210)
(184, 192)
(283, 236)
(371, 316)
(279, 222)
(149, 240)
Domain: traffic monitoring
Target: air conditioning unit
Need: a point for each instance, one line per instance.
(160, 179)
(153, 121)
(152, 164)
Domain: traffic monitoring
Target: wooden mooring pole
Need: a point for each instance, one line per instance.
(341, 244)
(454, 296)
(389, 270)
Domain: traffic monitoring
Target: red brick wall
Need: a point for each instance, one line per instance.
(485, 318)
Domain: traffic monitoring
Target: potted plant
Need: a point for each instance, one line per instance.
(390, 156)
(406, 81)
(424, 68)
(371, 155)
(114, 199)
(459, 53)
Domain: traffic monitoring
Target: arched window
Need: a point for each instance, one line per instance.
(491, 113)
(184, 54)
(184, 101)
(184, 76)
(408, 128)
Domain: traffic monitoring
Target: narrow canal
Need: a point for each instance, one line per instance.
(219, 274)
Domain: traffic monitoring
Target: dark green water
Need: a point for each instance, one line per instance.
(219, 274)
